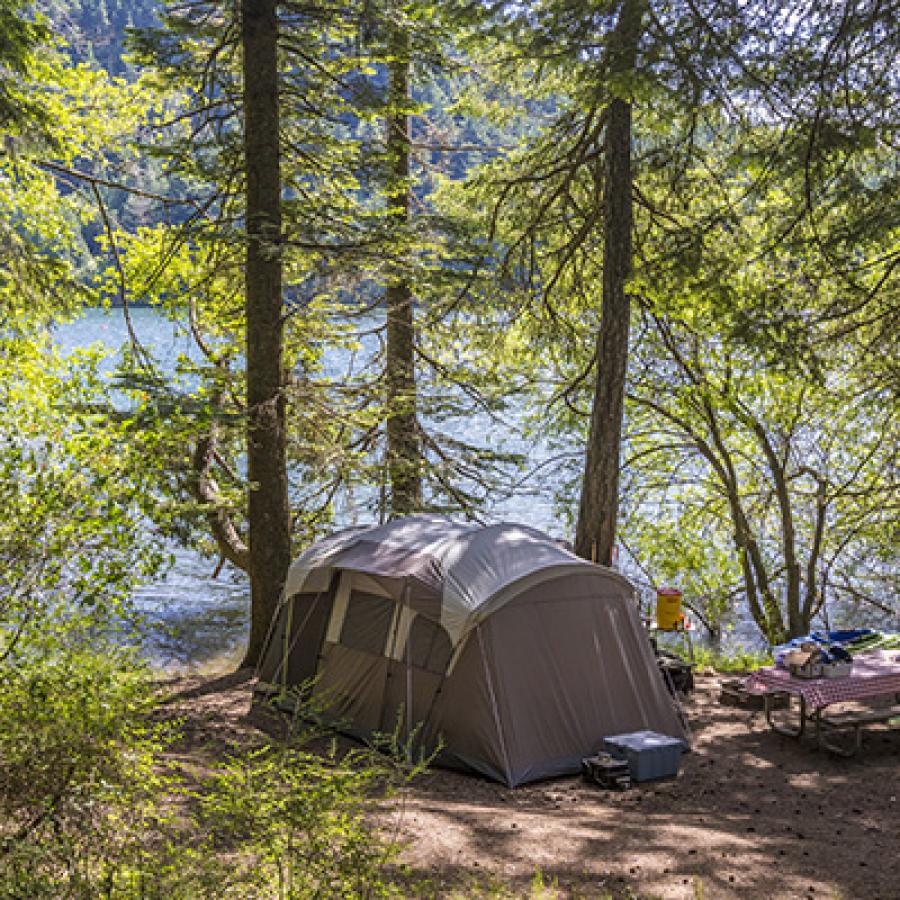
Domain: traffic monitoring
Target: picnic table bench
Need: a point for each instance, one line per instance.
(874, 675)
(857, 720)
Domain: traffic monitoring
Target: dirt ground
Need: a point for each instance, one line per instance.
(752, 813)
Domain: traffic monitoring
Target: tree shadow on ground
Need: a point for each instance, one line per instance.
(218, 685)
(752, 814)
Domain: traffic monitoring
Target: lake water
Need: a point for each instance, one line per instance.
(193, 621)
(197, 622)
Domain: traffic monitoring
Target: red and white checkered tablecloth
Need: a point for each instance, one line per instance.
(873, 675)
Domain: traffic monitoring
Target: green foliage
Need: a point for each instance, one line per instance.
(76, 752)
(46, 209)
(20, 36)
(91, 807)
(78, 788)
(756, 465)
(738, 659)
(299, 820)
(341, 247)
(96, 30)
(764, 457)
(88, 804)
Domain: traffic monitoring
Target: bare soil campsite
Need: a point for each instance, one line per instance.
(751, 814)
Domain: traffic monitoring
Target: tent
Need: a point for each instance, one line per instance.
(494, 644)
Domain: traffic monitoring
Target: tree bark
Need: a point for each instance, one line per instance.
(760, 597)
(814, 600)
(404, 448)
(268, 512)
(797, 624)
(598, 509)
(230, 543)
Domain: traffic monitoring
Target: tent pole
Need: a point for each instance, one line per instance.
(408, 676)
(494, 710)
(285, 645)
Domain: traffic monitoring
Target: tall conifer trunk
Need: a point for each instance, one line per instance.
(598, 510)
(404, 453)
(268, 513)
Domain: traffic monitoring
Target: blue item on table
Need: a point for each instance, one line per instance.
(826, 640)
(841, 636)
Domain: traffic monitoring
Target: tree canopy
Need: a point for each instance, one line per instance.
(623, 269)
(656, 240)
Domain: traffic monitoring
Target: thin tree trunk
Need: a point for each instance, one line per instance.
(404, 449)
(268, 513)
(814, 592)
(777, 467)
(759, 586)
(231, 545)
(599, 506)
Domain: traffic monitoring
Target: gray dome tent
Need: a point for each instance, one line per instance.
(513, 655)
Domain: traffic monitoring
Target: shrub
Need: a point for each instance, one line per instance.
(77, 776)
(300, 822)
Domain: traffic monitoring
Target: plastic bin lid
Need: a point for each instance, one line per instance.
(645, 740)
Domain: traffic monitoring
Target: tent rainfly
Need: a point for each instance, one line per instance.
(495, 644)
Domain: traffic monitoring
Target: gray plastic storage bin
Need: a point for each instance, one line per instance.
(650, 755)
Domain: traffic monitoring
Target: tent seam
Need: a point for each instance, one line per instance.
(494, 710)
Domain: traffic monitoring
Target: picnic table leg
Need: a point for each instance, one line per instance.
(785, 729)
(824, 744)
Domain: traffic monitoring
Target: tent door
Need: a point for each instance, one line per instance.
(309, 618)
(419, 659)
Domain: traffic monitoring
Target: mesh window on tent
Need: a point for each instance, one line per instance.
(429, 646)
(367, 623)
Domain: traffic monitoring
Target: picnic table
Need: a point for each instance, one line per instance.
(874, 675)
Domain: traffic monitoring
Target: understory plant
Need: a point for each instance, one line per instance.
(93, 800)
(299, 823)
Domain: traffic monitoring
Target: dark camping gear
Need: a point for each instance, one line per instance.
(607, 771)
(733, 693)
(677, 674)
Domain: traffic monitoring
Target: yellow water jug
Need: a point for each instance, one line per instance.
(669, 616)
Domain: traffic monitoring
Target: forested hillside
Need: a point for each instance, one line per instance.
(96, 30)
